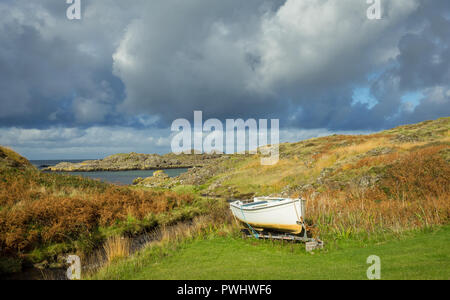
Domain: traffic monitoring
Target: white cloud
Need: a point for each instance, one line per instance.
(93, 142)
(305, 40)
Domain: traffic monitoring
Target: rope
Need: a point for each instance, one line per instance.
(253, 230)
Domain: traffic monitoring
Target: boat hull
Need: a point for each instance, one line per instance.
(284, 216)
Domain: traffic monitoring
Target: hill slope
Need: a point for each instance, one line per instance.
(385, 182)
(11, 159)
(335, 162)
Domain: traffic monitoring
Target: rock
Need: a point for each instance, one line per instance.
(159, 179)
(380, 151)
(402, 138)
(326, 171)
(160, 174)
(138, 180)
(367, 181)
(323, 174)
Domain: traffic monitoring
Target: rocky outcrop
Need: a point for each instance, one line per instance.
(380, 151)
(159, 179)
(197, 175)
(136, 161)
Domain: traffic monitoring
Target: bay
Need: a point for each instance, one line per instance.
(117, 177)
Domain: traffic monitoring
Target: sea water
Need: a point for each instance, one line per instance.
(117, 177)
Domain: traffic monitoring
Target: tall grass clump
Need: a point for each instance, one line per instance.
(413, 193)
(117, 247)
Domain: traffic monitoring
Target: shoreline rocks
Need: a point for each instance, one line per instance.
(159, 179)
(135, 161)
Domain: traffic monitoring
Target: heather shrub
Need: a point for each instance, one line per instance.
(42, 209)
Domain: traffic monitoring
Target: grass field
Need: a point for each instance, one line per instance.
(419, 255)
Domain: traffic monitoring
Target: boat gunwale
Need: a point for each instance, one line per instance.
(269, 205)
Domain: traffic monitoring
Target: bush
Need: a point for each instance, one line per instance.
(40, 209)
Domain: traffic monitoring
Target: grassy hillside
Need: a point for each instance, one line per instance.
(11, 159)
(389, 181)
(385, 182)
(335, 162)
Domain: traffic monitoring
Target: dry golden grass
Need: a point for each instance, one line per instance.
(323, 162)
(337, 214)
(260, 174)
(117, 247)
(411, 145)
(414, 193)
(360, 148)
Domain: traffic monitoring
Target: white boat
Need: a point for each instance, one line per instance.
(279, 214)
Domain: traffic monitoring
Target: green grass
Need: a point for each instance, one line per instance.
(419, 255)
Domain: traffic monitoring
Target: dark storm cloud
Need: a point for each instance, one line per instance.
(41, 79)
(194, 55)
(424, 58)
(146, 63)
(52, 71)
(422, 64)
(300, 61)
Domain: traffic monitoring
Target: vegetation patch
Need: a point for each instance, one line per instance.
(44, 215)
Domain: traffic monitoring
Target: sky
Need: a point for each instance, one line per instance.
(115, 80)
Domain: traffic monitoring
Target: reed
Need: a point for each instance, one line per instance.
(414, 193)
(117, 247)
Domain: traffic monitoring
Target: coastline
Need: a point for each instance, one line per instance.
(50, 170)
(136, 162)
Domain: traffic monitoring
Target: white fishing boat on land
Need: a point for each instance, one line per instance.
(266, 213)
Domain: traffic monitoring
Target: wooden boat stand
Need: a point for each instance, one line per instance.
(310, 243)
